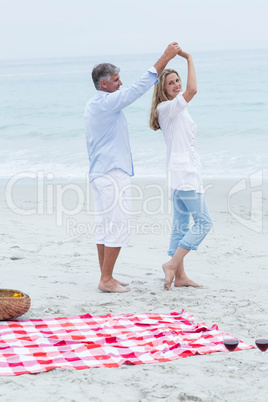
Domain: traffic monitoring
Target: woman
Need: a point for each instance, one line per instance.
(169, 113)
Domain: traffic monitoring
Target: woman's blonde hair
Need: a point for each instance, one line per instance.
(159, 96)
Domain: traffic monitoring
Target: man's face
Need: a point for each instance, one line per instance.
(113, 84)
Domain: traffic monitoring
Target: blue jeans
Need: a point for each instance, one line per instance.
(187, 203)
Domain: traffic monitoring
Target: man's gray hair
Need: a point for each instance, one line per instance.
(103, 72)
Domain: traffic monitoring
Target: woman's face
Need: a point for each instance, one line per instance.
(172, 85)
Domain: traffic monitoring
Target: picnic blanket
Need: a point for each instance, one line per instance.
(85, 341)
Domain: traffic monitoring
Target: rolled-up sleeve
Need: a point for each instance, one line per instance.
(171, 108)
(120, 99)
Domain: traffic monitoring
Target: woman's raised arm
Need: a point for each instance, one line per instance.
(191, 87)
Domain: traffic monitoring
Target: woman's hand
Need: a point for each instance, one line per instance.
(172, 50)
(183, 54)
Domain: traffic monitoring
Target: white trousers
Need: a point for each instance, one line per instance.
(112, 199)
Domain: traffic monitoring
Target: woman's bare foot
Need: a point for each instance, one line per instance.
(186, 282)
(169, 272)
(120, 283)
(112, 286)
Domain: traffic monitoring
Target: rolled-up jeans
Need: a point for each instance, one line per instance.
(185, 204)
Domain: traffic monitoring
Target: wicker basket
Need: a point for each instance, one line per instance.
(13, 307)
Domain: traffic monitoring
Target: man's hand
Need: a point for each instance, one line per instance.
(172, 50)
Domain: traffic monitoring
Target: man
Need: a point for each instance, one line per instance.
(111, 160)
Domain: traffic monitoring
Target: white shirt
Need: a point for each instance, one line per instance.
(179, 130)
(106, 127)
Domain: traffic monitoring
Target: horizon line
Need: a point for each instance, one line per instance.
(125, 54)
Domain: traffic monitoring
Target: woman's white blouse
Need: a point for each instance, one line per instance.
(179, 130)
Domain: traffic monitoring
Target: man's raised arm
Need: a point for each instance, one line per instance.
(118, 100)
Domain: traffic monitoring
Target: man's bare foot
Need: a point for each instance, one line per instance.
(169, 272)
(186, 282)
(120, 283)
(112, 287)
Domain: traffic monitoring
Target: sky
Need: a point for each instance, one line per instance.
(72, 28)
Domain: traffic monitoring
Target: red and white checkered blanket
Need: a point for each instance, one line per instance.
(32, 346)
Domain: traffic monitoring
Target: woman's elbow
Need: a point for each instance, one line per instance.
(192, 92)
(189, 94)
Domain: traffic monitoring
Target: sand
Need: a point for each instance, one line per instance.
(52, 256)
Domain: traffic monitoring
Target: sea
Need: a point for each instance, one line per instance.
(42, 104)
